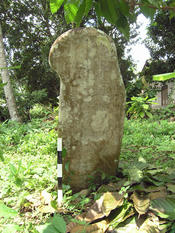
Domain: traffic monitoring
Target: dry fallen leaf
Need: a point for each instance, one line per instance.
(45, 197)
(84, 192)
(34, 199)
(111, 201)
(155, 195)
(141, 202)
(171, 187)
(46, 209)
(99, 227)
(151, 224)
(101, 208)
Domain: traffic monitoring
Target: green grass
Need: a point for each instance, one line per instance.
(152, 140)
(29, 165)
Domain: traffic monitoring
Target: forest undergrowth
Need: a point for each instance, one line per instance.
(28, 176)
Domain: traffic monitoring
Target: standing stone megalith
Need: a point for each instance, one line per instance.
(92, 103)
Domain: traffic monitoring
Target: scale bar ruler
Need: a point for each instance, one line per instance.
(59, 171)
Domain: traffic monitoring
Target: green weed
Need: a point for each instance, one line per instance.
(28, 166)
(164, 113)
(152, 140)
(140, 107)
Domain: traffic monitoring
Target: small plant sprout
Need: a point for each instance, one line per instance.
(140, 107)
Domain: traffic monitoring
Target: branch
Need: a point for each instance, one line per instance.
(154, 7)
(133, 3)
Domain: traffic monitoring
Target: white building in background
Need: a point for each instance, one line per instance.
(166, 95)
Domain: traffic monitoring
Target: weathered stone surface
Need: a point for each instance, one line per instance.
(92, 102)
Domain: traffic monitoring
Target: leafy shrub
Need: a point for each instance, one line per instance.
(38, 111)
(26, 100)
(4, 114)
(164, 113)
(140, 107)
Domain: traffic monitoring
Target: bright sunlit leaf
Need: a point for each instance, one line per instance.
(1, 156)
(165, 208)
(10, 67)
(70, 11)
(163, 77)
(7, 212)
(12, 228)
(55, 5)
(57, 225)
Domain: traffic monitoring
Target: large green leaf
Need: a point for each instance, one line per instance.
(7, 212)
(115, 12)
(152, 180)
(105, 11)
(163, 77)
(165, 208)
(70, 10)
(12, 228)
(145, 106)
(112, 11)
(124, 7)
(123, 25)
(57, 225)
(55, 5)
(142, 114)
(149, 114)
(147, 11)
(46, 228)
(80, 13)
(89, 4)
(98, 11)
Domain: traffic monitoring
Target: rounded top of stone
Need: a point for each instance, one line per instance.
(88, 30)
(67, 39)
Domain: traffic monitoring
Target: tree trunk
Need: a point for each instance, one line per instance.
(6, 79)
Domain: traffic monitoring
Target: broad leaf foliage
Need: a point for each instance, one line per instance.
(117, 12)
(163, 77)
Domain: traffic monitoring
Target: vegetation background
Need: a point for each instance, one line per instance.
(28, 190)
